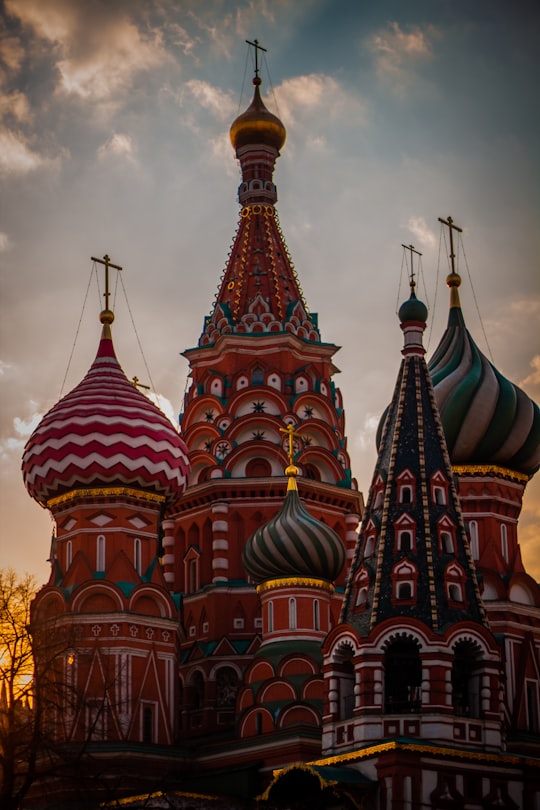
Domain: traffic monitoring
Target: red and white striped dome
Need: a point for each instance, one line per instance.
(105, 433)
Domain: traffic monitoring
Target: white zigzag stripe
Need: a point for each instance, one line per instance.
(82, 440)
(43, 470)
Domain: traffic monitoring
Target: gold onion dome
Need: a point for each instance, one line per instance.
(257, 125)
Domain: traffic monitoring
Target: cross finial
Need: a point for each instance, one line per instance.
(107, 262)
(412, 250)
(138, 384)
(255, 44)
(451, 227)
(292, 435)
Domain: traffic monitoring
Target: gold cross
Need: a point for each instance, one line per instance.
(107, 262)
(292, 435)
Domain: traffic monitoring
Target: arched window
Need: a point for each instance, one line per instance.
(69, 552)
(405, 541)
(316, 615)
(504, 542)
(402, 678)
(447, 543)
(137, 555)
(455, 594)
(473, 539)
(197, 690)
(226, 687)
(439, 495)
(311, 472)
(466, 680)
(344, 673)
(369, 547)
(405, 494)
(404, 590)
(257, 376)
(258, 468)
(292, 613)
(100, 553)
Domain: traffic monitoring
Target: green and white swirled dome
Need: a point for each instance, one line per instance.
(293, 544)
(487, 420)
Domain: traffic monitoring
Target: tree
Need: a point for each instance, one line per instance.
(18, 723)
(33, 693)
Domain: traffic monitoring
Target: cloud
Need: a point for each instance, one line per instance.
(396, 52)
(15, 106)
(5, 244)
(98, 50)
(21, 430)
(118, 144)
(17, 156)
(303, 96)
(533, 379)
(420, 230)
(166, 406)
(11, 52)
(211, 98)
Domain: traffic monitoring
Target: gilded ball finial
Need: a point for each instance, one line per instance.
(106, 317)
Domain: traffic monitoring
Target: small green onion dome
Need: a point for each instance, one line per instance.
(413, 310)
(293, 544)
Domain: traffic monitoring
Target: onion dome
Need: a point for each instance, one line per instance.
(257, 125)
(105, 433)
(413, 310)
(487, 419)
(294, 544)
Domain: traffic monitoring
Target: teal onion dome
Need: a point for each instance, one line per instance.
(413, 310)
(487, 420)
(294, 544)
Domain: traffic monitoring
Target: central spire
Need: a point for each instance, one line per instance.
(260, 291)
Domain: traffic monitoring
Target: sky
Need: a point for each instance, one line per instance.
(114, 120)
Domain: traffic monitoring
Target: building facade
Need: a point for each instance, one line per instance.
(227, 630)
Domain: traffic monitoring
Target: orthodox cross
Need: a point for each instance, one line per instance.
(451, 227)
(411, 248)
(292, 435)
(255, 44)
(107, 262)
(137, 384)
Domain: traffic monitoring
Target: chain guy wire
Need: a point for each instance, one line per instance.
(92, 271)
(475, 299)
(137, 335)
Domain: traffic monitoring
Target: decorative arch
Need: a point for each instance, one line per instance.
(150, 601)
(298, 715)
(97, 597)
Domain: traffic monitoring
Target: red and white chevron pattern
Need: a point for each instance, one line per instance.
(105, 433)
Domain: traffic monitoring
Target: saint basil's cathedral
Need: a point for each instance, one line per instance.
(242, 625)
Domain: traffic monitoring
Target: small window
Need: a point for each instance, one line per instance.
(147, 724)
(69, 552)
(292, 613)
(270, 615)
(473, 539)
(238, 624)
(504, 542)
(405, 494)
(137, 555)
(405, 541)
(361, 599)
(439, 496)
(447, 543)
(100, 553)
(370, 546)
(455, 594)
(404, 590)
(316, 615)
